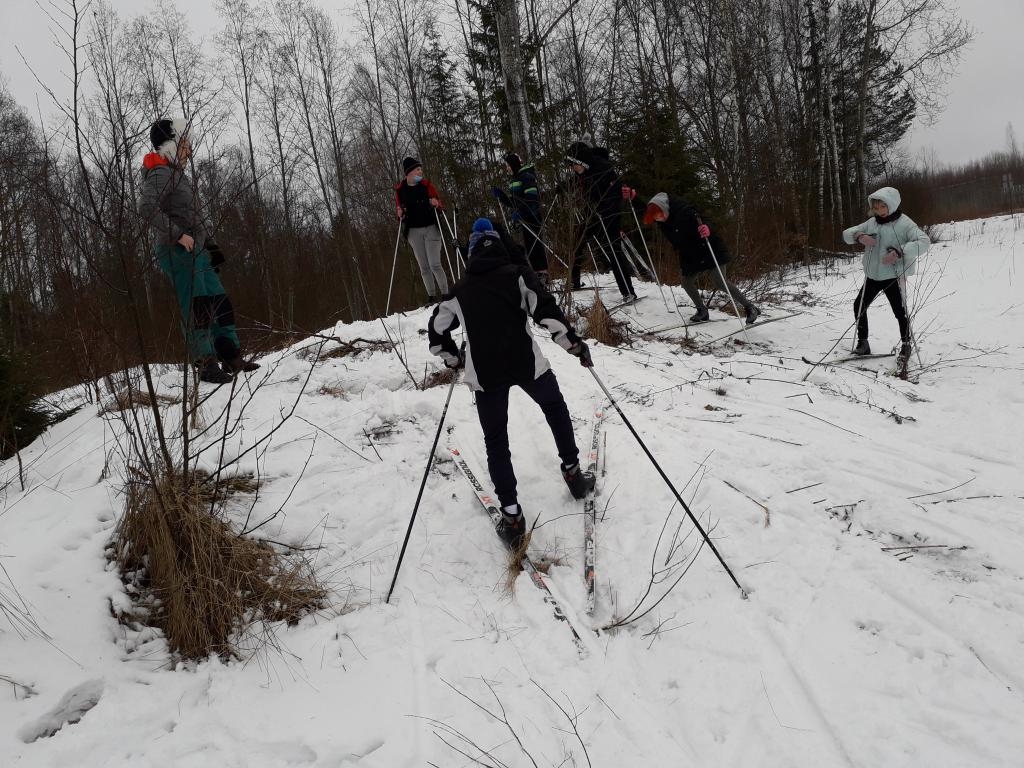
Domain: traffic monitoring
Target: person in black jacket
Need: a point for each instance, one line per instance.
(523, 197)
(492, 302)
(601, 214)
(681, 223)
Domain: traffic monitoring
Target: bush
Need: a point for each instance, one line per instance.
(22, 417)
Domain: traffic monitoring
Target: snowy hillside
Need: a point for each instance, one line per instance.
(876, 524)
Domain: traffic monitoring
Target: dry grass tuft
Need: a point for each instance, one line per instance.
(602, 327)
(129, 398)
(356, 346)
(206, 586)
(333, 390)
(440, 378)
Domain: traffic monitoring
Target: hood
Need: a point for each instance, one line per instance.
(660, 201)
(486, 252)
(888, 195)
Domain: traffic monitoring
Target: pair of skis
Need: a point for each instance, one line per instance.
(538, 579)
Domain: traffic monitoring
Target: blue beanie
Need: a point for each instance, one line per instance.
(482, 225)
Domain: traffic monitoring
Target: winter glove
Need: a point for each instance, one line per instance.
(704, 231)
(452, 361)
(891, 256)
(582, 351)
(435, 202)
(628, 193)
(216, 255)
(400, 212)
(866, 240)
(516, 217)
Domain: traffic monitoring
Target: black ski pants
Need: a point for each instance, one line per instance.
(492, 408)
(534, 247)
(605, 235)
(894, 293)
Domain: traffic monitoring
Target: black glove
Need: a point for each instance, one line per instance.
(216, 255)
(582, 351)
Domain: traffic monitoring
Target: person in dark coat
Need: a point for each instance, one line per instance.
(600, 215)
(523, 197)
(492, 303)
(684, 227)
(416, 204)
(185, 249)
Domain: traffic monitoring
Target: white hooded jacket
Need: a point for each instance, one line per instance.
(901, 233)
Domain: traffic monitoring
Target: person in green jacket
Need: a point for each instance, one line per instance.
(187, 253)
(892, 244)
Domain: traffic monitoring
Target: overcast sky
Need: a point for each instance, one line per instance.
(986, 95)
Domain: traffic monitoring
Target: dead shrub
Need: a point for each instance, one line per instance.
(129, 398)
(440, 378)
(604, 328)
(356, 346)
(204, 585)
(333, 390)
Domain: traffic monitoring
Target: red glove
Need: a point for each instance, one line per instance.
(628, 193)
(704, 231)
(400, 212)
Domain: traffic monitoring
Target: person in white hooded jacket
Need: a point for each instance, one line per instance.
(892, 244)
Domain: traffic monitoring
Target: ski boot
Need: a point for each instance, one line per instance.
(903, 354)
(752, 314)
(862, 348)
(238, 365)
(512, 526)
(579, 482)
(701, 316)
(211, 372)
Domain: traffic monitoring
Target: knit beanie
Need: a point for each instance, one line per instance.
(658, 204)
(409, 164)
(483, 225)
(164, 135)
(515, 162)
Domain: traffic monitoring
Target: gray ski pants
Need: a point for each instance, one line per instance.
(426, 244)
(690, 286)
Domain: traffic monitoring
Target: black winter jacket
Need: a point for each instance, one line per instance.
(681, 230)
(492, 302)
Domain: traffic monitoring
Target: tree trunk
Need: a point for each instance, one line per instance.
(506, 16)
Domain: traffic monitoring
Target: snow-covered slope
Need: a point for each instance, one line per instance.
(852, 650)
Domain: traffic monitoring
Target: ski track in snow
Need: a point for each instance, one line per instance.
(886, 615)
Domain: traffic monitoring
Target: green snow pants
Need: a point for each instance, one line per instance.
(208, 319)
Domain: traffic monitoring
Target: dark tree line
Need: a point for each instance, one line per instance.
(776, 114)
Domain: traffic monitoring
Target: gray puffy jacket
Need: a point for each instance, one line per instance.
(901, 233)
(169, 204)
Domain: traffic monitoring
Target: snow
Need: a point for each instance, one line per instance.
(847, 653)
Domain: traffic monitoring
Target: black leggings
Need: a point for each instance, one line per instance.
(492, 408)
(893, 293)
(605, 233)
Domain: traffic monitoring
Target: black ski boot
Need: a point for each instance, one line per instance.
(512, 526)
(701, 316)
(211, 372)
(862, 348)
(579, 482)
(239, 365)
(903, 355)
(752, 314)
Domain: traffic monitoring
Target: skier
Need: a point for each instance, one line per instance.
(892, 244)
(492, 302)
(601, 217)
(523, 197)
(684, 227)
(416, 204)
(187, 253)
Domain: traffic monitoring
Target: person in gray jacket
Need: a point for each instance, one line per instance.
(188, 254)
(892, 244)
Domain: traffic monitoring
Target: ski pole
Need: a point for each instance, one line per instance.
(725, 285)
(394, 261)
(686, 508)
(448, 258)
(423, 483)
(548, 247)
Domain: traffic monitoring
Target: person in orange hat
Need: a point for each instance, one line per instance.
(682, 225)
